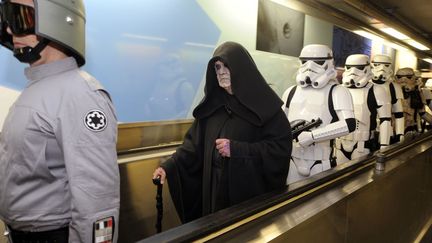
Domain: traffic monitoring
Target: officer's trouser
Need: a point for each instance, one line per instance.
(52, 236)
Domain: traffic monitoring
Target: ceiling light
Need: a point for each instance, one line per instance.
(417, 45)
(379, 40)
(394, 33)
(429, 60)
(397, 47)
(369, 35)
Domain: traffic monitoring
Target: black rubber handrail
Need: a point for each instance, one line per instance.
(324, 181)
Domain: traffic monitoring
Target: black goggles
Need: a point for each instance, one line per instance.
(359, 67)
(401, 76)
(19, 18)
(318, 60)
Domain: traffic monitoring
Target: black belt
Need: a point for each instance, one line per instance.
(52, 236)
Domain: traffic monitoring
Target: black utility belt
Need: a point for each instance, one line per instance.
(51, 236)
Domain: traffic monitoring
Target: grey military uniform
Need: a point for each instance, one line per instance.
(58, 161)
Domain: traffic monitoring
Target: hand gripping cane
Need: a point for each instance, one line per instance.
(159, 204)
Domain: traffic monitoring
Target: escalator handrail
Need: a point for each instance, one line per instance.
(291, 196)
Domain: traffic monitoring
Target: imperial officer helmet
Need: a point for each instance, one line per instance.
(58, 21)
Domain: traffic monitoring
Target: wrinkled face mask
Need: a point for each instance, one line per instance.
(223, 74)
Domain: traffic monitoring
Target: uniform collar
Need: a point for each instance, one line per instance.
(37, 73)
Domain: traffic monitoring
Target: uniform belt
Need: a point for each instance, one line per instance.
(52, 236)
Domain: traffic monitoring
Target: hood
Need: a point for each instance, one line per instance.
(248, 85)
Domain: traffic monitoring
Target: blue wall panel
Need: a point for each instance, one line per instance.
(150, 55)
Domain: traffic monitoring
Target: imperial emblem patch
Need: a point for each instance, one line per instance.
(95, 120)
(103, 230)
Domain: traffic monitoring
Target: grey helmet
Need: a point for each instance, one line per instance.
(62, 22)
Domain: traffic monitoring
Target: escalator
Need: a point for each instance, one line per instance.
(385, 197)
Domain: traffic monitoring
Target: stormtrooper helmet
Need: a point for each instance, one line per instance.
(357, 71)
(382, 68)
(317, 67)
(406, 78)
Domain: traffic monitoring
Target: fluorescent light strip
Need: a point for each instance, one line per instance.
(429, 60)
(379, 40)
(145, 37)
(369, 36)
(417, 45)
(394, 33)
(199, 45)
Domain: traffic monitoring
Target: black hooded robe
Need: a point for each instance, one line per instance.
(200, 180)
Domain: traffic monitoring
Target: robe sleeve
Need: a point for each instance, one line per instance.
(273, 149)
(184, 175)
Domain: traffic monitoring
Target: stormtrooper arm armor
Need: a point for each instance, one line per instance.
(397, 110)
(333, 130)
(427, 93)
(384, 114)
(385, 131)
(426, 116)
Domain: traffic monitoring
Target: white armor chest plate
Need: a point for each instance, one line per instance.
(307, 104)
(386, 86)
(361, 113)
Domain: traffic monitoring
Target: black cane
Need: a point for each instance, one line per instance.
(159, 204)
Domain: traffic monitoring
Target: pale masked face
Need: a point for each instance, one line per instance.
(223, 76)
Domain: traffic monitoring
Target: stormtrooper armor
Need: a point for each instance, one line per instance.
(427, 93)
(317, 95)
(383, 76)
(418, 77)
(414, 101)
(370, 101)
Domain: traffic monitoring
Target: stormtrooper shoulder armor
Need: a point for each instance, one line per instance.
(342, 99)
(398, 90)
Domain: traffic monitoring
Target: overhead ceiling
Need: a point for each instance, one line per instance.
(411, 17)
(415, 14)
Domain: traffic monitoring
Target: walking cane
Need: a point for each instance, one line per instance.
(159, 204)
